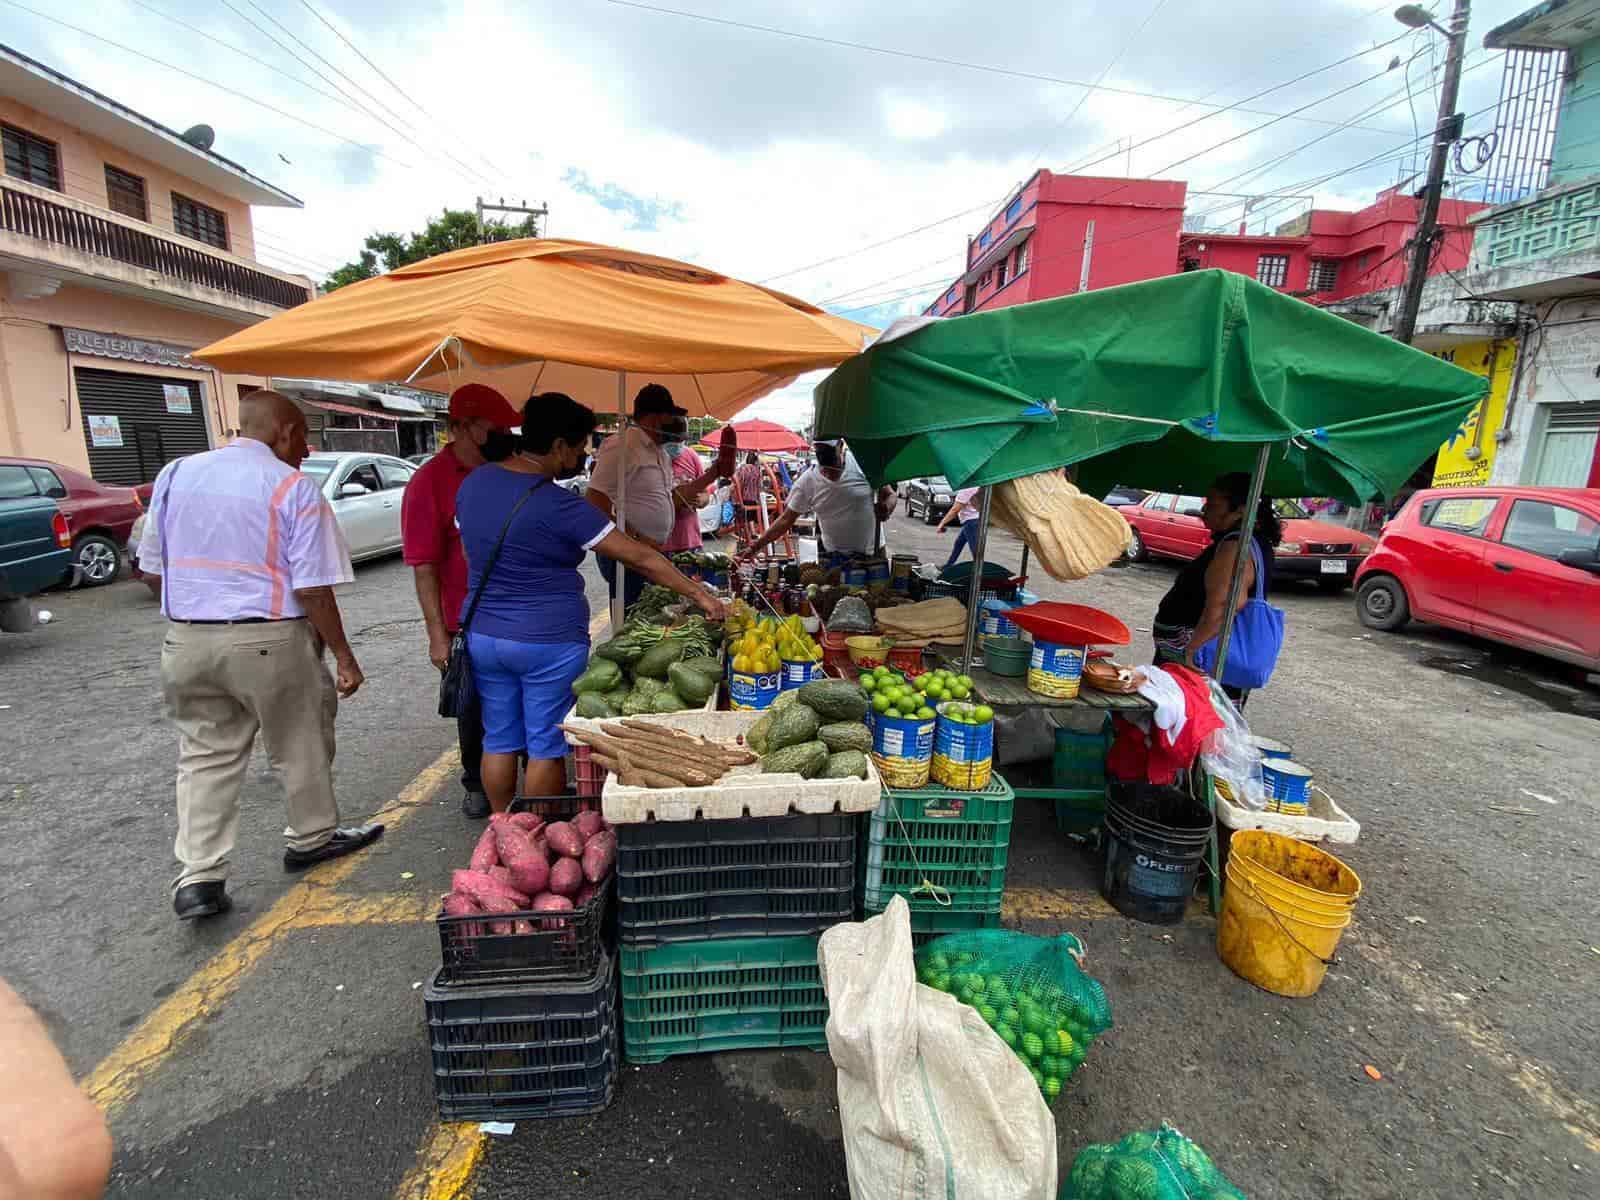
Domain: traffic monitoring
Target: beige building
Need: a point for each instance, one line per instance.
(123, 246)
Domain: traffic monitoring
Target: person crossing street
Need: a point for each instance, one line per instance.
(247, 553)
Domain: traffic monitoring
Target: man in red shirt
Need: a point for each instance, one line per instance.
(481, 424)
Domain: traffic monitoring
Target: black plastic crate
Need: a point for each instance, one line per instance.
(696, 880)
(508, 1051)
(554, 946)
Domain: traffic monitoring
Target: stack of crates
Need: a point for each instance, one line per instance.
(944, 850)
(718, 921)
(522, 1015)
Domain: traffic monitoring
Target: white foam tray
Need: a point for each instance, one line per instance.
(742, 792)
(1325, 822)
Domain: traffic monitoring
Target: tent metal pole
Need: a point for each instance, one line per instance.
(619, 603)
(1024, 571)
(976, 588)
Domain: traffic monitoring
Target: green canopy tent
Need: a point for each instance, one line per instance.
(1164, 384)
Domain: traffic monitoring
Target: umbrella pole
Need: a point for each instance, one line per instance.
(975, 591)
(619, 603)
(1247, 529)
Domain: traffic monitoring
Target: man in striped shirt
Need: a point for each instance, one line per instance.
(247, 553)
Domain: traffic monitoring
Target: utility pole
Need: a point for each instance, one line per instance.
(542, 211)
(1445, 135)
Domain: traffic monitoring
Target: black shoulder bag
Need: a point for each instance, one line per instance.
(458, 692)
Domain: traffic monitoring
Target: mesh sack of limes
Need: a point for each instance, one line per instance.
(1032, 991)
(1153, 1164)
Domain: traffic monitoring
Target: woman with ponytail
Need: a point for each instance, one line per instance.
(1194, 610)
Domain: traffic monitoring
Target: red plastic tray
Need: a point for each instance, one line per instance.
(1071, 624)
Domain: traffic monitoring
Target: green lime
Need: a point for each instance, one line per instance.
(1038, 1079)
(1052, 1087)
(1010, 1016)
(938, 961)
(1050, 1064)
(1007, 1034)
(868, 683)
(960, 691)
(924, 973)
(1032, 1046)
(925, 713)
(1035, 1020)
(987, 1011)
(1066, 1041)
(983, 714)
(964, 680)
(940, 981)
(880, 702)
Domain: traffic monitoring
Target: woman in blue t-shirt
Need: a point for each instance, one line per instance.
(529, 637)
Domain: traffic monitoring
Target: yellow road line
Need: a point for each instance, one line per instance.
(446, 1159)
(114, 1082)
(333, 909)
(1053, 904)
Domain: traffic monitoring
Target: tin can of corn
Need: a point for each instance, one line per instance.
(1055, 670)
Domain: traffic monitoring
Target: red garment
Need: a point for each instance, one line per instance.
(428, 531)
(686, 527)
(1154, 756)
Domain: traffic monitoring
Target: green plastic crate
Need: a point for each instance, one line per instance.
(1079, 763)
(1078, 810)
(957, 841)
(930, 920)
(732, 994)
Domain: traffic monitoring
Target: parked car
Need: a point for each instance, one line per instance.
(1169, 526)
(1519, 565)
(416, 460)
(35, 547)
(1121, 497)
(365, 491)
(927, 498)
(99, 515)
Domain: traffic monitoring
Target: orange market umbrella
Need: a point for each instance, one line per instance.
(767, 436)
(595, 322)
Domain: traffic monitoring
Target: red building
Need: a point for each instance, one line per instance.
(1072, 233)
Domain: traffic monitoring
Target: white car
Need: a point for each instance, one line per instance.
(365, 491)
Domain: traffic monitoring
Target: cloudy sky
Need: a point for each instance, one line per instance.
(794, 143)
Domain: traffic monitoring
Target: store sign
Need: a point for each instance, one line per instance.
(128, 349)
(1467, 459)
(178, 397)
(105, 433)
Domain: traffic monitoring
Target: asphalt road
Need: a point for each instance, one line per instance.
(292, 1062)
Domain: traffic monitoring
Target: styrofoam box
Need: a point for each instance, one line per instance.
(1325, 821)
(742, 792)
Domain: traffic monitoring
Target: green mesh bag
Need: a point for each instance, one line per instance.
(1032, 991)
(1153, 1164)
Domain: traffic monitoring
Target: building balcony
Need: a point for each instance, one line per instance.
(1545, 246)
(48, 239)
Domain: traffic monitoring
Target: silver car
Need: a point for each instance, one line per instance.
(365, 491)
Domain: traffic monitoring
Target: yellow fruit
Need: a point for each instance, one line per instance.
(742, 664)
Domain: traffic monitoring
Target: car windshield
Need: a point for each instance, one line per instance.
(319, 468)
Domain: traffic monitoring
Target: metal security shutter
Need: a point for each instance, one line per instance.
(151, 435)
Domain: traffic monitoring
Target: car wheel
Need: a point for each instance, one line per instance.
(929, 517)
(1136, 549)
(1381, 603)
(98, 559)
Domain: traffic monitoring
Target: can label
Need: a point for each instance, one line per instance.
(1055, 670)
(997, 624)
(902, 749)
(799, 672)
(855, 576)
(748, 692)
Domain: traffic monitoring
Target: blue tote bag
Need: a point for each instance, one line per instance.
(1257, 637)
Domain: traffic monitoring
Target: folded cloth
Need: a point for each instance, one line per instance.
(924, 619)
(1163, 691)
(1158, 755)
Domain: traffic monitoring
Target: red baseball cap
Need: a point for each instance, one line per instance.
(477, 400)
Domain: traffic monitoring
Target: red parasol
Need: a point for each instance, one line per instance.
(766, 436)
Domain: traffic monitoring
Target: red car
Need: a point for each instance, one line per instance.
(1170, 526)
(99, 515)
(1519, 565)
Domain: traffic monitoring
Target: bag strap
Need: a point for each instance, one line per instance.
(1259, 591)
(494, 557)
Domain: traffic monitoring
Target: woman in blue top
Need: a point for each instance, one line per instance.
(529, 638)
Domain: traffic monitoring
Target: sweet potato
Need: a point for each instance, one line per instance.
(585, 894)
(588, 824)
(541, 847)
(481, 887)
(510, 842)
(459, 904)
(502, 875)
(526, 821)
(550, 902)
(530, 874)
(566, 877)
(598, 855)
(564, 839)
(485, 854)
(522, 927)
(501, 904)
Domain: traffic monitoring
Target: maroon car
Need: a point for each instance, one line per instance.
(99, 515)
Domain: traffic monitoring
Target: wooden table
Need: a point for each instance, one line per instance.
(1003, 691)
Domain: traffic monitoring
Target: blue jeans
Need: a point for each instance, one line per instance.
(525, 688)
(968, 537)
(634, 581)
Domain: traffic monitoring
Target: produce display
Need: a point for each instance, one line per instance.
(963, 745)
(895, 696)
(700, 564)
(814, 731)
(1153, 1164)
(763, 644)
(655, 664)
(1031, 991)
(523, 866)
(642, 754)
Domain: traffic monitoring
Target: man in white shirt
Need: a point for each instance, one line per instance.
(653, 496)
(246, 553)
(848, 511)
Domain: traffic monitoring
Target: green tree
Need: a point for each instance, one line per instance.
(455, 229)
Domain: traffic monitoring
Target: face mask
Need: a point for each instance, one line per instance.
(500, 444)
(673, 449)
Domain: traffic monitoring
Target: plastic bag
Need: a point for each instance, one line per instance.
(1032, 991)
(1231, 758)
(850, 615)
(930, 1100)
(1154, 1164)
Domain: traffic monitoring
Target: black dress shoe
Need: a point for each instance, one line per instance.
(194, 900)
(475, 805)
(343, 841)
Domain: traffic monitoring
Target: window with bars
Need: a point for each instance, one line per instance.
(31, 158)
(199, 221)
(1000, 272)
(125, 194)
(1273, 269)
(1324, 274)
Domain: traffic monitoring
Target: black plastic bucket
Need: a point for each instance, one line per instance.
(1156, 841)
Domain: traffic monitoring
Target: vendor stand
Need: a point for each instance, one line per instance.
(1164, 384)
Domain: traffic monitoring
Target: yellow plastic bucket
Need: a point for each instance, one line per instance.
(1269, 934)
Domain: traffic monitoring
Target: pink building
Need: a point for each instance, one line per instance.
(1072, 233)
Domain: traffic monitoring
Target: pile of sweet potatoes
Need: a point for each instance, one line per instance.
(523, 865)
